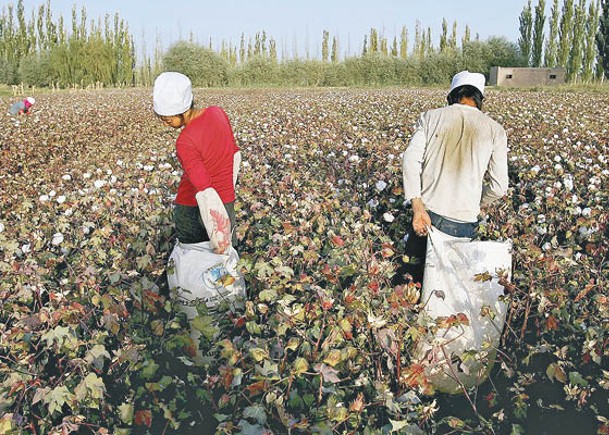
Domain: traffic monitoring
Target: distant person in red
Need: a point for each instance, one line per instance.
(22, 107)
(204, 208)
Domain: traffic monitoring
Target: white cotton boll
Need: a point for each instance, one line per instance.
(120, 163)
(109, 172)
(100, 183)
(1, 227)
(535, 169)
(354, 158)
(344, 153)
(288, 156)
(373, 203)
(380, 185)
(332, 154)
(94, 207)
(390, 156)
(349, 145)
(43, 198)
(244, 163)
(67, 177)
(586, 212)
(25, 248)
(69, 212)
(546, 246)
(52, 193)
(558, 167)
(557, 185)
(61, 199)
(541, 218)
(57, 239)
(568, 180)
(557, 159)
(541, 230)
(388, 217)
(86, 175)
(112, 191)
(392, 200)
(148, 168)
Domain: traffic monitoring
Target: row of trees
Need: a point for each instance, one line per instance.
(43, 51)
(572, 37)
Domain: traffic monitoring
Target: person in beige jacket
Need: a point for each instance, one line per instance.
(455, 163)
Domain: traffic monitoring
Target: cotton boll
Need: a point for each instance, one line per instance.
(380, 185)
(1, 227)
(61, 199)
(388, 217)
(43, 198)
(586, 212)
(67, 177)
(57, 239)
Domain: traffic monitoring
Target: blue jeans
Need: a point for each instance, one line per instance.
(452, 228)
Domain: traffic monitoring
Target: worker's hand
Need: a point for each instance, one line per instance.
(420, 220)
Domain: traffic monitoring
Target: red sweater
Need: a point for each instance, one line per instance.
(205, 148)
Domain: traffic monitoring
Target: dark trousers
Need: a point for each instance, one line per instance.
(189, 226)
(416, 246)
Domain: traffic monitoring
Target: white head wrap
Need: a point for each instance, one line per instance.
(466, 78)
(172, 94)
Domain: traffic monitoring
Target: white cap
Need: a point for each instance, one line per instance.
(172, 94)
(466, 78)
(31, 100)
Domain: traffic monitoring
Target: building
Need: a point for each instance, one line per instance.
(523, 77)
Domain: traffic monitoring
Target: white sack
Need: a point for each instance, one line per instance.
(462, 354)
(197, 273)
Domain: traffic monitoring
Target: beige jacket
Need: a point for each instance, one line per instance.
(456, 161)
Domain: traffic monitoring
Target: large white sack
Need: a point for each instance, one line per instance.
(456, 283)
(195, 273)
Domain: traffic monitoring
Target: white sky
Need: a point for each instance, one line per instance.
(295, 24)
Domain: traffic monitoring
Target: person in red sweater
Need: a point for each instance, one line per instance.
(204, 208)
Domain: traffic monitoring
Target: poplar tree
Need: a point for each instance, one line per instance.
(526, 29)
(419, 45)
(467, 35)
(565, 34)
(374, 40)
(394, 47)
(452, 41)
(576, 53)
(538, 34)
(590, 46)
(404, 43)
(444, 36)
(551, 42)
(334, 55)
(325, 46)
(602, 38)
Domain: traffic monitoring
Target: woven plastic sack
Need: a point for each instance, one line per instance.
(463, 300)
(197, 273)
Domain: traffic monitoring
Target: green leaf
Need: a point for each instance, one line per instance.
(259, 354)
(301, 365)
(204, 324)
(255, 412)
(58, 397)
(126, 412)
(576, 379)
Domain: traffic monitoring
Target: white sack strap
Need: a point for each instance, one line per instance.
(215, 219)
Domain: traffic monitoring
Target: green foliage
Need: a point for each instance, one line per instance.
(35, 70)
(538, 34)
(602, 38)
(526, 33)
(202, 65)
